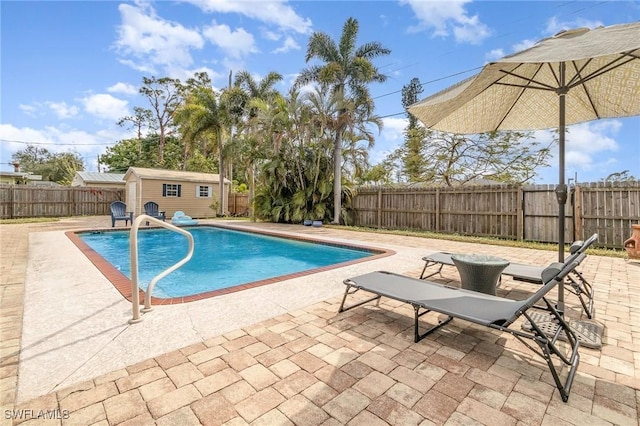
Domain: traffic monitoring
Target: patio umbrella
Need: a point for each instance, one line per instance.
(573, 77)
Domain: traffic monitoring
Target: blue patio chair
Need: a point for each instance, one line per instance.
(151, 209)
(119, 212)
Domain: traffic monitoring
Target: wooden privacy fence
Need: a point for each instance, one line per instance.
(238, 204)
(505, 211)
(22, 201)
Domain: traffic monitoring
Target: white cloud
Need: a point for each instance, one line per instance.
(185, 74)
(105, 106)
(390, 138)
(274, 12)
(494, 55)
(289, 44)
(587, 145)
(124, 88)
(30, 110)
(500, 53)
(554, 26)
(446, 17)
(142, 67)
(523, 45)
(470, 30)
(236, 44)
(591, 145)
(270, 35)
(60, 139)
(62, 110)
(146, 41)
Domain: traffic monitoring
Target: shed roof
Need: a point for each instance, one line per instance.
(95, 177)
(174, 175)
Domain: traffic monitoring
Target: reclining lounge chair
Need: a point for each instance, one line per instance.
(578, 285)
(484, 309)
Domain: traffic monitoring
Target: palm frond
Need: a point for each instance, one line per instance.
(348, 39)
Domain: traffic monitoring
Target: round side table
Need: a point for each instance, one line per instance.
(479, 272)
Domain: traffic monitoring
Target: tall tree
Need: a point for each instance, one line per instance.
(346, 71)
(206, 114)
(164, 96)
(142, 119)
(55, 167)
(142, 153)
(263, 89)
(410, 94)
(509, 157)
(256, 96)
(622, 176)
(414, 165)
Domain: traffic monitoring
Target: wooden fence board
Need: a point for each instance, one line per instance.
(609, 210)
(513, 212)
(504, 211)
(238, 204)
(23, 201)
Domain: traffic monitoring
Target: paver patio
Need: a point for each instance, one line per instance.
(313, 366)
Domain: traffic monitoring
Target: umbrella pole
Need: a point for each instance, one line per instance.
(561, 190)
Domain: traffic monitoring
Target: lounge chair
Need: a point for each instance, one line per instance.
(181, 219)
(119, 212)
(484, 309)
(151, 209)
(578, 285)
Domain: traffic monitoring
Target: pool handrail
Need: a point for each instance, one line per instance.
(133, 249)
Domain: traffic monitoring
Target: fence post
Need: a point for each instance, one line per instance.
(11, 201)
(520, 214)
(74, 202)
(577, 214)
(437, 209)
(379, 208)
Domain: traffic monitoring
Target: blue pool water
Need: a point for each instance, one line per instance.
(222, 258)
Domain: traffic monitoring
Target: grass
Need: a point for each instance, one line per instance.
(28, 220)
(480, 240)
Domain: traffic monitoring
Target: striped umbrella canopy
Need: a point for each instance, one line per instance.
(575, 76)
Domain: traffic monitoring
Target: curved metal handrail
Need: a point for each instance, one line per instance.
(133, 248)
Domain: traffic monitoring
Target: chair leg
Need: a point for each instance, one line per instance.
(417, 336)
(548, 348)
(349, 291)
(582, 289)
(429, 264)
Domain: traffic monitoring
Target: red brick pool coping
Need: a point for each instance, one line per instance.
(123, 284)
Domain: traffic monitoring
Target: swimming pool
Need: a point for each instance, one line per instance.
(223, 259)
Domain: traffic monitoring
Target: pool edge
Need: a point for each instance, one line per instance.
(123, 284)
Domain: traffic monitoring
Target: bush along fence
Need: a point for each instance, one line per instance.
(528, 213)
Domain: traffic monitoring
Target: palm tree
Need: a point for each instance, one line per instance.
(253, 89)
(346, 71)
(255, 95)
(205, 114)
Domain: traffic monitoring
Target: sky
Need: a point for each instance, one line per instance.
(70, 70)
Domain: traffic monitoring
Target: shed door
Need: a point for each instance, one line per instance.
(131, 198)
